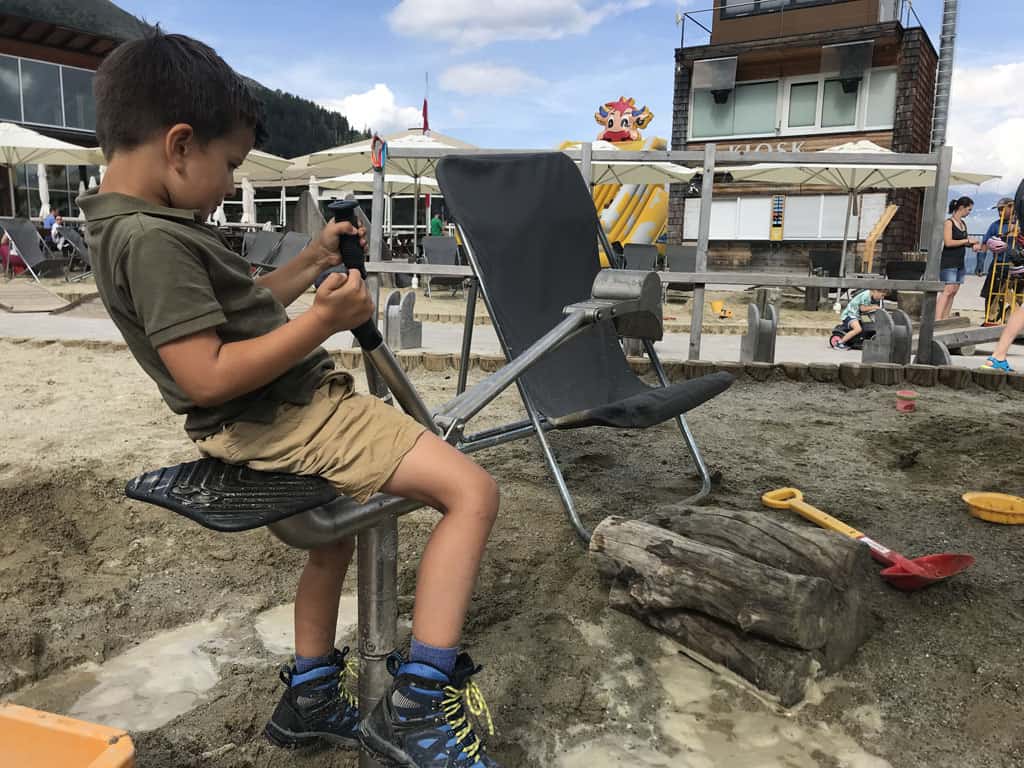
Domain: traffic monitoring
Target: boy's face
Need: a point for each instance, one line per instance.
(204, 174)
(878, 295)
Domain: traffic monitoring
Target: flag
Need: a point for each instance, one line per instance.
(426, 122)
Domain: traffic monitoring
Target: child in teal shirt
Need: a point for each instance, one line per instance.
(864, 302)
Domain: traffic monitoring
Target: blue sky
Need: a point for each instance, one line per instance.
(531, 73)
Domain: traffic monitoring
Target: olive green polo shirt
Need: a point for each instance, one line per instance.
(163, 275)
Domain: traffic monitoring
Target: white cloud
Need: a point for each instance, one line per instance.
(476, 23)
(986, 122)
(376, 110)
(481, 79)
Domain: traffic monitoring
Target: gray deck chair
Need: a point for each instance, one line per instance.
(532, 261)
(680, 258)
(290, 246)
(259, 248)
(640, 256)
(81, 250)
(36, 254)
(444, 251)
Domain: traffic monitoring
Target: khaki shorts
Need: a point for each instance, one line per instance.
(355, 442)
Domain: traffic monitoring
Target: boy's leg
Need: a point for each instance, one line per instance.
(855, 328)
(422, 722)
(1014, 328)
(316, 600)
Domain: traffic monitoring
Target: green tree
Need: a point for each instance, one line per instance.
(297, 126)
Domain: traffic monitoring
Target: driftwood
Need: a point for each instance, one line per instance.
(772, 599)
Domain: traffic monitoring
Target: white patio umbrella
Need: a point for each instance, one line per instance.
(44, 190)
(93, 183)
(248, 202)
(624, 172)
(852, 179)
(314, 188)
(394, 183)
(261, 165)
(22, 146)
(355, 158)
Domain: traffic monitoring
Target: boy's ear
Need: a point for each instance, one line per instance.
(179, 140)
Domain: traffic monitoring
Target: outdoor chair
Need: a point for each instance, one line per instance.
(824, 263)
(680, 258)
(537, 265)
(640, 256)
(80, 250)
(259, 248)
(291, 246)
(441, 250)
(38, 257)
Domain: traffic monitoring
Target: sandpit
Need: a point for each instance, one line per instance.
(94, 587)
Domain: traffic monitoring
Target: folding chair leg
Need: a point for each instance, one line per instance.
(467, 336)
(556, 471)
(684, 428)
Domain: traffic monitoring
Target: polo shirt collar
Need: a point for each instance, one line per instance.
(107, 205)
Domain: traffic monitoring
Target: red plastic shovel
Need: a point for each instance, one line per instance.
(902, 572)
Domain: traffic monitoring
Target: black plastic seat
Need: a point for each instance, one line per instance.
(228, 497)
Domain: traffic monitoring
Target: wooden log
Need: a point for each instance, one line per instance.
(992, 380)
(794, 371)
(694, 369)
(759, 371)
(663, 570)
(729, 366)
(1016, 381)
(772, 539)
(824, 372)
(922, 375)
(854, 375)
(777, 669)
(886, 374)
(954, 376)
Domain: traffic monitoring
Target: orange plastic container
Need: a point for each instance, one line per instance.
(33, 739)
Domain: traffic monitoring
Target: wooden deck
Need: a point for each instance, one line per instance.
(26, 295)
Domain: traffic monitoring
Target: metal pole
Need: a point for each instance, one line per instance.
(846, 235)
(931, 271)
(415, 219)
(377, 216)
(10, 180)
(703, 233)
(586, 162)
(378, 615)
(467, 334)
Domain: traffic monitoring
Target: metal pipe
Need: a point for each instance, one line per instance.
(467, 334)
(389, 369)
(846, 235)
(703, 236)
(931, 271)
(944, 75)
(471, 402)
(511, 433)
(340, 518)
(378, 614)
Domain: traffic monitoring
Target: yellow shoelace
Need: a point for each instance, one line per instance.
(349, 672)
(454, 713)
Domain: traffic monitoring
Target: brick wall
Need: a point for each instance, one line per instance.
(680, 116)
(915, 99)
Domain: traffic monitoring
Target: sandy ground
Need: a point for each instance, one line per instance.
(85, 576)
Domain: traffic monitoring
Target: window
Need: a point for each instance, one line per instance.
(40, 89)
(838, 108)
(63, 182)
(735, 8)
(881, 98)
(79, 104)
(750, 109)
(803, 105)
(10, 89)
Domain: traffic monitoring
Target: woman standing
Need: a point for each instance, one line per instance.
(954, 241)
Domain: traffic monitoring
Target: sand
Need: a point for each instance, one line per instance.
(87, 579)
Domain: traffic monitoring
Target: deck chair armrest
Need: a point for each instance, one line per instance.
(461, 409)
(629, 298)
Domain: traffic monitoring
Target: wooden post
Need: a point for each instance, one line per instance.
(931, 272)
(703, 233)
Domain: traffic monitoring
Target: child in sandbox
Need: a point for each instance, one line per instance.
(864, 302)
(175, 121)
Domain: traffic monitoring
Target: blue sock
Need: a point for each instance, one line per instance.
(439, 658)
(304, 664)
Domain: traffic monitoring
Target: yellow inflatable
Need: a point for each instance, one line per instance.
(629, 213)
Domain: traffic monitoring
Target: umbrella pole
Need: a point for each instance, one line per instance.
(10, 181)
(846, 234)
(415, 219)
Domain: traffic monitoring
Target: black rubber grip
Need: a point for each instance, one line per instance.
(353, 257)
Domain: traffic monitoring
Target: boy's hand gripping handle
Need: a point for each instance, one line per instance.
(352, 257)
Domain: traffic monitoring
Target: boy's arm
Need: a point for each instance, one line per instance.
(294, 278)
(211, 372)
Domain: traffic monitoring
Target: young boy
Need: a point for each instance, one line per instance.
(864, 302)
(174, 122)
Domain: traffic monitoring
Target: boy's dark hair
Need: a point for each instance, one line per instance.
(150, 84)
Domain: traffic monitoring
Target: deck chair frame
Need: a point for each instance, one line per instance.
(44, 249)
(537, 424)
(74, 238)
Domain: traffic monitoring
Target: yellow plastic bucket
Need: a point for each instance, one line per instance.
(33, 739)
(717, 307)
(996, 507)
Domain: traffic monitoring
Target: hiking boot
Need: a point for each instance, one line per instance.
(423, 723)
(317, 706)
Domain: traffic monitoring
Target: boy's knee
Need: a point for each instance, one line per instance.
(481, 491)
